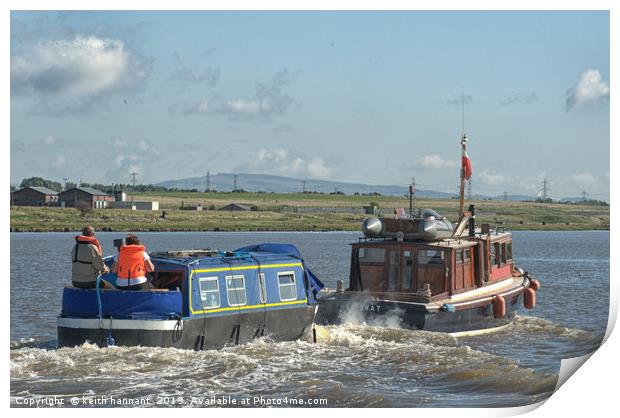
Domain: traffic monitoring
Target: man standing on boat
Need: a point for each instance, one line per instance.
(131, 265)
(87, 260)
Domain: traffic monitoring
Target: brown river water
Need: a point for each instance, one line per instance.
(355, 364)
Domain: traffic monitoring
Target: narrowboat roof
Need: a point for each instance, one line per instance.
(215, 257)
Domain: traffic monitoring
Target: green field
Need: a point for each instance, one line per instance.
(296, 212)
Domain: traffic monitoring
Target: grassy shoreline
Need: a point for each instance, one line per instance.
(296, 212)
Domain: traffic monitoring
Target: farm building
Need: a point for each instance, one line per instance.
(84, 196)
(238, 206)
(34, 196)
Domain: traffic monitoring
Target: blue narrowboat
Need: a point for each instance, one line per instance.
(203, 299)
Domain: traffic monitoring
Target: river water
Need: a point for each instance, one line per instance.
(351, 365)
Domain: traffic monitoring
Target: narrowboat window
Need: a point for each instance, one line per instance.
(467, 255)
(263, 290)
(235, 289)
(209, 292)
(286, 283)
(503, 253)
(459, 256)
(431, 257)
(509, 251)
(407, 270)
(394, 269)
(493, 253)
(371, 255)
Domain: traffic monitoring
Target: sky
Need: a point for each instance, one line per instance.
(371, 97)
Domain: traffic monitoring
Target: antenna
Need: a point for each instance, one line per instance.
(462, 113)
(65, 180)
(234, 183)
(208, 189)
(303, 186)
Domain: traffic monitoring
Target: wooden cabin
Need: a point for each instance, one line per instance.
(428, 271)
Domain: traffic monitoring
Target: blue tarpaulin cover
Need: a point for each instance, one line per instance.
(121, 304)
(286, 249)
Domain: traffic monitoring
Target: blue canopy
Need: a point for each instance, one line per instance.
(286, 249)
(121, 304)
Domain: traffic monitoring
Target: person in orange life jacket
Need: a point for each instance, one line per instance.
(131, 266)
(87, 261)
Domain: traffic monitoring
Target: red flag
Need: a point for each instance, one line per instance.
(466, 167)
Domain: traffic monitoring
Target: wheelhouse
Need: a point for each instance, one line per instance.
(426, 271)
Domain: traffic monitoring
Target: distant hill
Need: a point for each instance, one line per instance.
(279, 184)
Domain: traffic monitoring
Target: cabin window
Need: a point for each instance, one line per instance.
(431, 257)
(503, 253)
(371, 255)
(509, 250)
(286, 283)
(394, 269)
(235, 288)
(407, 270)
(459, 256)
(467, 255)
(209, 292)
(494, 250)
(262, 288)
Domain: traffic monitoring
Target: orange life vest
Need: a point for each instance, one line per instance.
(131, 262)
(83, 239)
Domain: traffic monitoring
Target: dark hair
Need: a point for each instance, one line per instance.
(132, 240)
(88, 231)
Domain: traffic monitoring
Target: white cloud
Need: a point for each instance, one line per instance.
(59, 161)
(436, 161)
(203, 106)
(49, 140)
(280, 161)
(520, 97)
(75, 71)
(119, 143)
(316, 168)
(269, 100)
(251, 107)
(584, 179)
(491, 178)
(590, 90)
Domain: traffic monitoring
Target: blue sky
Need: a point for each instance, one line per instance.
(350, 96)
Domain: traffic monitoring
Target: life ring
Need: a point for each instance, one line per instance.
(534, 284)
(529, 298)
(499, 307)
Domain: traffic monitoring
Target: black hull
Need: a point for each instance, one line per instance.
(416, 316)
(196, 333)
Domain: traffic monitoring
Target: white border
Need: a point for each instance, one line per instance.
(591, 391)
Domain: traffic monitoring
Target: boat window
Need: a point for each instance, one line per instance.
(509, 251)
(467, 255)
(263, 290)
(371, 255)
(494, 251)
(431, 257)
(394, 269)
(503, 253)
(459, 256)
(209, 292)
(235, 288)
(407, 270)
(286, 283)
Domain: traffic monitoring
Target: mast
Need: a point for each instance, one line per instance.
(462, 190)
(463, 156)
